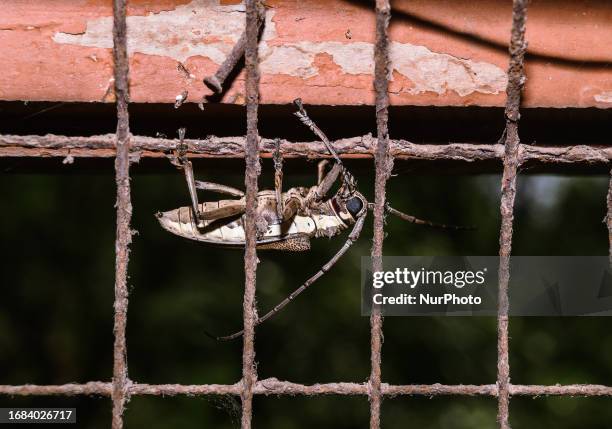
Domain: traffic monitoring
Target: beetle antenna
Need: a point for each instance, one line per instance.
(303, 116)
(417, 221)
(224, 338)
(353, 236)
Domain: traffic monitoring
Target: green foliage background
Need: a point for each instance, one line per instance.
(57, 235)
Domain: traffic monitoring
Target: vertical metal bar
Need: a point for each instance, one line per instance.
(124, 212)
(384, 164)
(609, 217)
(516, 80)
(249, 374)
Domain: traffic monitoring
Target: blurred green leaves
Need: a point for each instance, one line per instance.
(57, 289)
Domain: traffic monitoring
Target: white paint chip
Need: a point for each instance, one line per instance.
(604, 97)
(206, 28)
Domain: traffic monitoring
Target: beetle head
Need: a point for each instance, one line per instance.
(349, 204)
(350, 207)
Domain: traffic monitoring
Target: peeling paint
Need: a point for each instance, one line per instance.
(202, 27)
(428, 71)
(208, 29)
(604, 97)
(431, 71)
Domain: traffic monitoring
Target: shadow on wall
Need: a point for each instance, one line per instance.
(487, 24)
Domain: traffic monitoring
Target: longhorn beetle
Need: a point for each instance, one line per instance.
(285, 220)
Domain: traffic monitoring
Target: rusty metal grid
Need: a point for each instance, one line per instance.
(125, 147)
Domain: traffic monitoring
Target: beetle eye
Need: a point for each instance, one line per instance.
(354, 206)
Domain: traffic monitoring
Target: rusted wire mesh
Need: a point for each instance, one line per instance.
(125, 148)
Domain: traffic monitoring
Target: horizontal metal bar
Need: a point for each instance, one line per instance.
(272, 386)
(190, 390)
(356, 147)
(440, 390)
(560, 390)
(71, 389)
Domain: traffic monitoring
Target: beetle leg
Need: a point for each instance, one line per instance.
(353, 236)
(223, 212)
(278, 178)
(320, 191)
(181, 161)
(187, 167)
(290, 209)
(321, 170)
(216, 187)
(191, 185)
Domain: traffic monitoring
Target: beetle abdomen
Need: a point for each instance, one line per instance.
(298, 243)
(229, 231)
